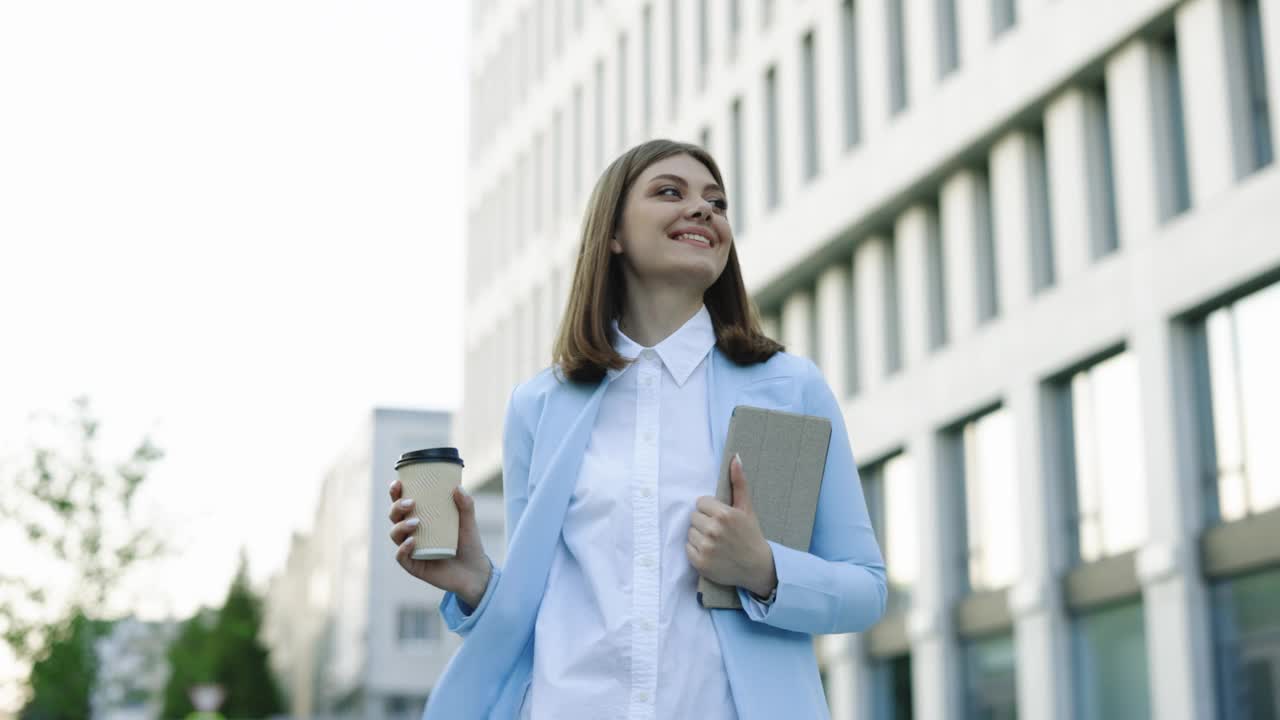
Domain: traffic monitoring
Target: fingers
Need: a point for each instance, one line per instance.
(403, 530)
(404, 552)
(466, 508)
(705, 525)
(396, 490)
(400, 509)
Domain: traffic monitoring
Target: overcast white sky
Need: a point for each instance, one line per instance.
(237, 225)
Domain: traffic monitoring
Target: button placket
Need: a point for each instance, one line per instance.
(646, 561)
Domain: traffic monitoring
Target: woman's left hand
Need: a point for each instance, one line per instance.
(725, 542)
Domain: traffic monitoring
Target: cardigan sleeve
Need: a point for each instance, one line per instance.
(517, 449)
(838, 586)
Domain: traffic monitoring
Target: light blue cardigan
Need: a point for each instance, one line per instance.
(836, 587)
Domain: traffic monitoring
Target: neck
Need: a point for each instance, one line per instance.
(650, 315)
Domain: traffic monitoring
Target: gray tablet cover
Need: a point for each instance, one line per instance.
(783, 456)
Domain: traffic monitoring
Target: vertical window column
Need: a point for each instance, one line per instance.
(869, 304)
(850, 76)
(772, 140)
(797, 324)
(895, 61)
(923, 51)
(622, 141)
(809, 104)
(833, 324)
(1268, 38)
(1065, 137)
(738, 190)
(1128, 78)
(1017, 211)
(1173, 168)
(870, 20)
(959, 208)
(674, 24)
(1180, 679)
(1217, 138)
(911, 236)
(1104, 233)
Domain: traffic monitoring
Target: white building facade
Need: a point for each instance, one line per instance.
(1034, 247)
(352, 635)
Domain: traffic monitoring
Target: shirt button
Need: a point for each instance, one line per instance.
(646, 561)
(646, 625)
(645, 492)
(648, 438)
(643, 697)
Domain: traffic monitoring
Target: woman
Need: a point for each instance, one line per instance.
(609, 477)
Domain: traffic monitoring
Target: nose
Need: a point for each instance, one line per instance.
(701, 209)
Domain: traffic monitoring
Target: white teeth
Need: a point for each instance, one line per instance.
(696, 238)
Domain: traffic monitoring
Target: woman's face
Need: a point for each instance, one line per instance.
(675, 226)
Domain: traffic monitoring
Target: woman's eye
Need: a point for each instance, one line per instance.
(722, 204)
(671, 188)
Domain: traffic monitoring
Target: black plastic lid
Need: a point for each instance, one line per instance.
(440, 454)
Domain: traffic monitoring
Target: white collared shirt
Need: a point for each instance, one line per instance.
(620, 633)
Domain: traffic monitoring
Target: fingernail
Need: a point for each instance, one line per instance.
(738, 459)
(412, 522)
(406, 503)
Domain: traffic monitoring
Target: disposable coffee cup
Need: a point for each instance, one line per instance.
(428, 477)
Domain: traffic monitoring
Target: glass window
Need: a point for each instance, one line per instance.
(673, 23)
(739, 176)
(810, 90)
(417, 624)
(985, 247)
(1106, 464)
(948, 37)
(557, 156)
(735, 26)
(1110, 656)
(1004, 14)
(937, 276)
(890, 490)
(1175, 191)
(849, 31)
(892, 314)
(536, 183)
(1040, 210)
(1243, 354)
(1258, 111)
(891, 688)
(991, 691)
(1104, 227)
(773, 169)
(622, 92)
(991, 500)
(704, 45)
(1247, 644)
(897, 57)
(646, 71)
(599, 164)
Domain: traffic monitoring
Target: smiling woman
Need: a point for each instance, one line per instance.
(610, 463)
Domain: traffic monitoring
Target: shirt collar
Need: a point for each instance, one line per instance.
(681, 351)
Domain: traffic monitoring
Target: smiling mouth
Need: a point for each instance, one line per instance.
(692, 239)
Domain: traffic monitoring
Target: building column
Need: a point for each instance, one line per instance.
(869, 306)
(848, 676)
(1066, 138)
(1041, 630)
(936, 667)
(1269, 10)
(1129, 80)
(831, 300)
(873, 68)
(1175, 597)
(958, 208)
(797, 314)
(911, 238)
(973, 20)
(921, 34)
(1011, 201)
(1217, 142)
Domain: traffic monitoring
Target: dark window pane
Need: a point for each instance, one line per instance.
(1247, 640)
(1110, 654)
(990, 678)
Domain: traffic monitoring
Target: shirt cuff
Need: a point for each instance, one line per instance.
(460, 617)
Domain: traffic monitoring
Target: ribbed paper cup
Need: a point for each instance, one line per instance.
(428, 477)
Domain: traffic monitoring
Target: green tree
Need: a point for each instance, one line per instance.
(77, 519)
(224, 648)
(62, 677)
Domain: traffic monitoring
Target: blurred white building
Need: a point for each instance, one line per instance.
(1033, 246)
(133, 668)
(351, 634)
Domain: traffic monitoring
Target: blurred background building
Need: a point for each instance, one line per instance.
(351, 634)
(1033, 246)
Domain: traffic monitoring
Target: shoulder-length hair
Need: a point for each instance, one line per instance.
(583, 351)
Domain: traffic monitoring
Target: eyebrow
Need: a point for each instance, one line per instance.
(677, 178)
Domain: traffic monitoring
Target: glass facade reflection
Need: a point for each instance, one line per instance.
(1110, 478)
(890, 490)
(1110, 655)
(991, 691)
(1247, 644)
(892, 689)
(991, 500)
(1243, 354)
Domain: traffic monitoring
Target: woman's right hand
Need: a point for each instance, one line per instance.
(467, 573)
